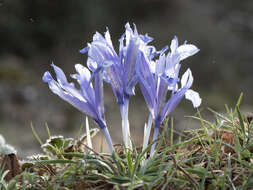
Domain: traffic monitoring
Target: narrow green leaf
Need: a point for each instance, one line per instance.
(238, 103)
(58, 161)
(101, 164)
(36, 135)
(241, 121)
(129, 162)
(48, 131)
(171, 131)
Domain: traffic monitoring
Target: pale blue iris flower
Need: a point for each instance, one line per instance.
(119, 69)
(159, 79)
(87, 99)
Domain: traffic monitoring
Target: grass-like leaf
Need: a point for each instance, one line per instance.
(217, 155)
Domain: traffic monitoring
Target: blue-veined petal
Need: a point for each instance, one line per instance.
(147, 94)
(130, 87)
(187, 79)
(186, 50)
(172, 70)
(160, 65)
(130, 59)
(101, 52)
(173, 102)
(128, 34)
(91, 64)
(121, 47)
(162, 51)
(83, 77)
(152, 65)
(146, 39)
(135, 30)
(172, 59)
(171, 82)
(114, 77)
(147, 82)
(108, 37)
(186, 83)
(61, 78)
(64, 84)
(80, 104)
(161, 95)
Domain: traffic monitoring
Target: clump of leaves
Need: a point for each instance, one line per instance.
(216, 156)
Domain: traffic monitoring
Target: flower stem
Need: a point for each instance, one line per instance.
(156, 131)
(147, 130)
(108, 139)
(125, 123)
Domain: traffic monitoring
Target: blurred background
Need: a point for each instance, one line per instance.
(34, 33)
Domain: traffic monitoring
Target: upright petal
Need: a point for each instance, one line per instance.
(130, 61)
(160, 65)
(130, 87)
(61, 78)
(174, 44)
(187, 79)
(101, 52)
(108, 38)
(114, 75)
(147, 82)
(128, 34)
(162, 88)
(83, 77)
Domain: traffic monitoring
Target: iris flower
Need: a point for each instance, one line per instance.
(87, 99)
(159, 79)
(119, 69)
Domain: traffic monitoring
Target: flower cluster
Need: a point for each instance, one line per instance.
(136, 62)
(159, 78)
